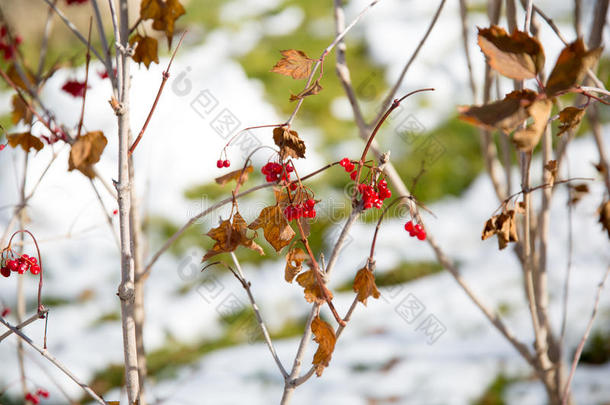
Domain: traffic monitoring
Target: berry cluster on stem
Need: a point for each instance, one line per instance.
(8, 45)
(277, 172)
(415, 230)
(20, 265)
(35, 397)
(303, 210)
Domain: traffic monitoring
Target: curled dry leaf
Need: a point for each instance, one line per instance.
(569, 118)
(571, 67)
(364, 285)
(86, 152)
(240, 176)
(146, 50)
(517, 56)
(551, 167)
(313, 292)
(506, 114)
(164, 14)
(294, 63)
(294, 263)
(604, 216)
(577, 192)
(229, 235)
(26, 140)
(289, 142)
(324, 335)
(503, 225)
(527, 139)
(276, 229)
(20, 110)
(312, 90)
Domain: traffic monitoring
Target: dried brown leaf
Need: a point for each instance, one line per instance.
(294, 63)
(313, 292)
(20, 110)
(146, 50)
(490, 228)
(26, 140)
(324, 335)
(604, 216)
(276, 229)
(517, 56)
(551, 167)
(312, 90)
(527, 139)
(229, 235)
(240, 176)
(294, 263)
(571, 67)
(364, 285)
(506, 114)
(164, 14)
(569, 118)
(289, 142)
(86, 151)
(503, 226)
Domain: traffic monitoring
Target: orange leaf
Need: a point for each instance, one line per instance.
(86, 151)
(240, 176)
(517, 56)
(26, 140)
(229, 236)
(569, 118)
(324, 335)
(275, 227)
(312, 90)
(312, 290)
(571, 67)
(294, 63)
(146, 50)
(294, 263)
(364, 285)
(20, 110)
(164, 14)
(289, 142)
(527, 139)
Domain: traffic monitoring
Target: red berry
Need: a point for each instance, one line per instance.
(22, 268)
(115, 212)
(293, 186)
(289, 168)
(418, 228)
(3, 31)
(2, 146)
(349, 167)
(310, 203)
(5, 271)
(412, 233)
(219, 163)
(353, 175)
(35, 269)
(344, 162)
(6, 312)
(12, 265)
(32, 398)
(409, 226)
(421, 235)
(43, 393)
(226, 163)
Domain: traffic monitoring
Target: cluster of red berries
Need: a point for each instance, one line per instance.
(415, 230)
(303, 210)
(20, 265)
(275, 172)
(374, 196)
(222, 163)
(35, 398)
(8, 49)
(349, 167)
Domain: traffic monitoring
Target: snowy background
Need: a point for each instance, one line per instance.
(381, 358)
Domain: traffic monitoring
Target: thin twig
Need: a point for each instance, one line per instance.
(585, 336)
(165, 76)
(394, 90)
(87, 60)
(25, 323)
(246, 284)
(54, 361)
